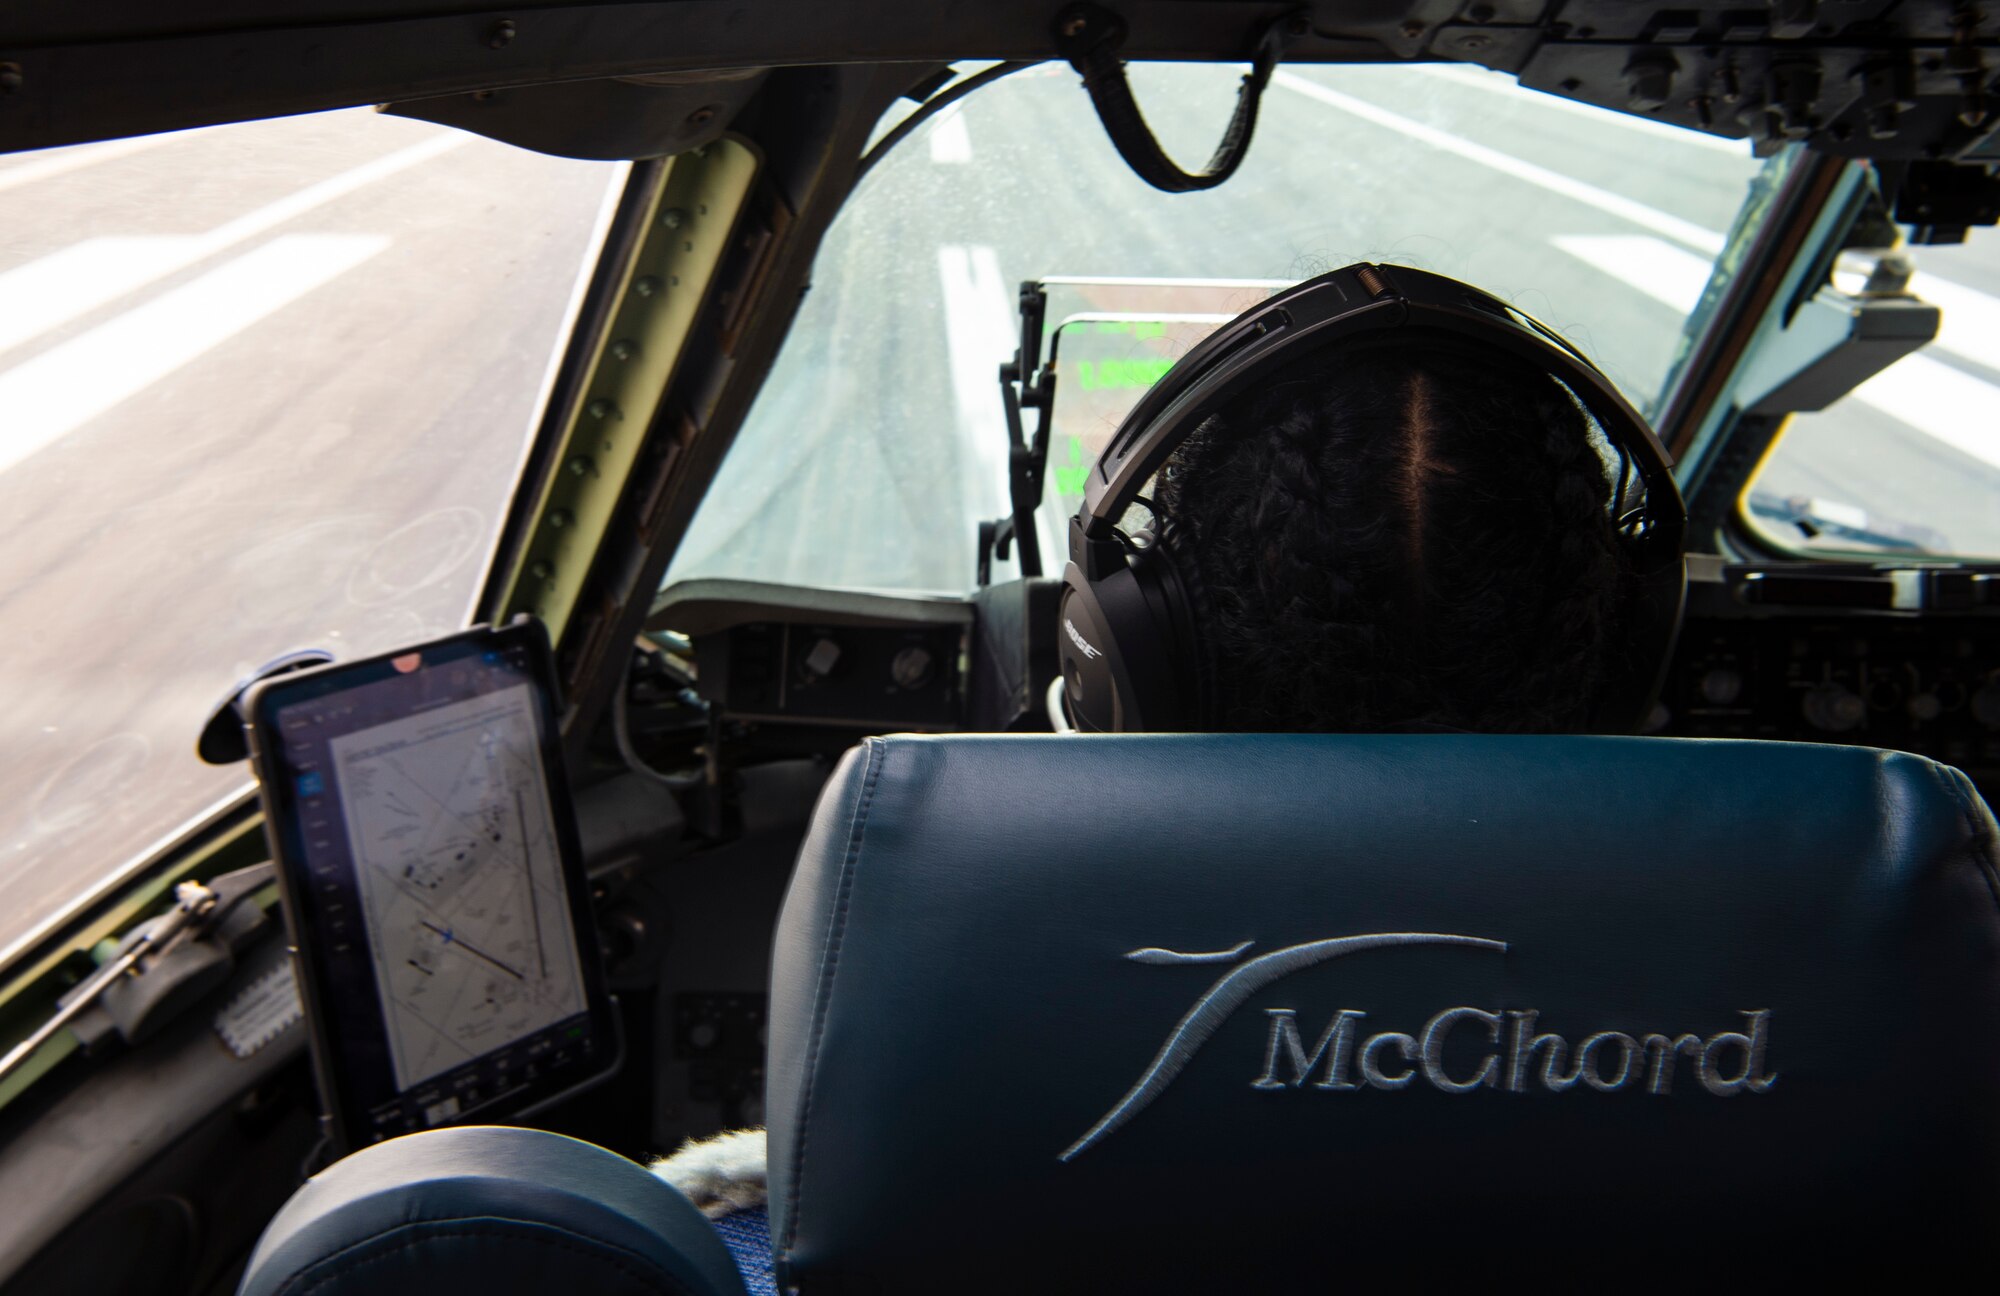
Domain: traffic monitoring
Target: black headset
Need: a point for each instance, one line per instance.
(1128, 630)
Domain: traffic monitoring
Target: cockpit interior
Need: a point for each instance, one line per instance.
(572, 594)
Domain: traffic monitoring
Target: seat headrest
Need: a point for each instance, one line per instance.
(1142, 1012)
(488, 1209)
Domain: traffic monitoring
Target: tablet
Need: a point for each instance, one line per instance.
(432, 882)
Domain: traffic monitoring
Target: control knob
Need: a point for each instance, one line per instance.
(825, 655)
(912, 668)
(1721, 686)
(1986, 705)
(1833, 708)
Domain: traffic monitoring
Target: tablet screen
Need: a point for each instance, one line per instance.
(432, 880)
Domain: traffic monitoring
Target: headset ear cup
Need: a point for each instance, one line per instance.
(1086, 653)
(1124, 643)
(1648, 631)
(1195, 619)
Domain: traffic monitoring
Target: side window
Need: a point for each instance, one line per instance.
(1909, 462)
(263, 387)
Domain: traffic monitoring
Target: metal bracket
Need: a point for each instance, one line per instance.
(1025, 383)
(160, 967)
(1832, 345)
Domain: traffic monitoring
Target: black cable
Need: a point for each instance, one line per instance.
(317, 1157)
(1090, 35)
(930, 108)
(621, 734)
(1621, 517)
(1058, 708)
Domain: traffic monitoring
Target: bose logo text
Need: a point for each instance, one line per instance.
(1082, 644)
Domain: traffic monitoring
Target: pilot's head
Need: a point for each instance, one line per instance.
(1401, 537)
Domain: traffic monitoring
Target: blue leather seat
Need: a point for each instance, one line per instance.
(1169, 1013)
(490, 1210)
(1173, 1013)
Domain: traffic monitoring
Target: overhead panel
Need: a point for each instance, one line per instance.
(1857, 78)
(1904, 79)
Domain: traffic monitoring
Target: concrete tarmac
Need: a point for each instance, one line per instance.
(267, 389)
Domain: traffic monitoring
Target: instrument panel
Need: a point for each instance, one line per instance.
(873, 662)
(1907, 659)
(903, 677)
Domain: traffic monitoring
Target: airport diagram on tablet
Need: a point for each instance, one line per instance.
(460, 878)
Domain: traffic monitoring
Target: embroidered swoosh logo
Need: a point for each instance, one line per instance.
(1227, 995)
(1150, 955)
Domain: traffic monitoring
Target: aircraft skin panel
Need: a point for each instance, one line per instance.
(1803, 73)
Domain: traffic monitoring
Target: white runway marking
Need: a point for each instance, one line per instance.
(1971, 316)
(1479, 78)
(1970, 327)
(1673, 227)
(1659, 269)
(58, 162)
(1936, 399)
(980, 335)
(950, 140)
(1971, 323)
(65, 285)
(83, 276)
(251, 224)
(1947, 404)
(58, 391)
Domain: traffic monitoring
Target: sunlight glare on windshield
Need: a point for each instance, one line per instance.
(262, 388)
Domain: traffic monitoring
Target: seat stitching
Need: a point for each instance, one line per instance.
(596, 1250)
(823, 991)
(1956, 787)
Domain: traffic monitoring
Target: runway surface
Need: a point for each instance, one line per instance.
(881, 429)
(262, 387)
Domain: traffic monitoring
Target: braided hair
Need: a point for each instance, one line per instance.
(1400, 538)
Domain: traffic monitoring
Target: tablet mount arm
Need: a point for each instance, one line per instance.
(224, 739)
(1025, 384)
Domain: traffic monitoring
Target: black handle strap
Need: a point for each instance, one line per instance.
(1089, 36)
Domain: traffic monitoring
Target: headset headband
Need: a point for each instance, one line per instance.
(1131, 644)
(1352, 302)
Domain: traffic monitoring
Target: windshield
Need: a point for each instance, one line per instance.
(1908, 463)
(262, 387)
(878, 443)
